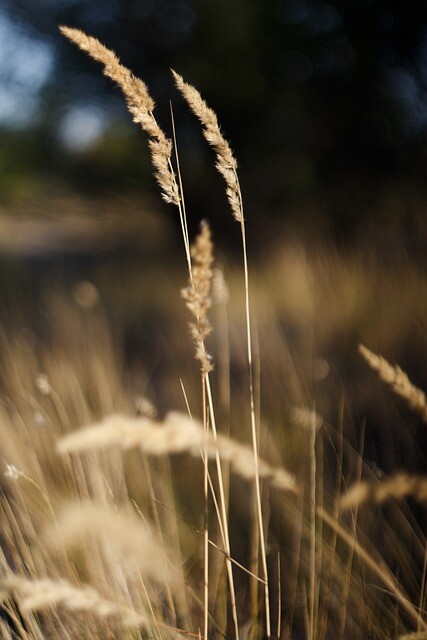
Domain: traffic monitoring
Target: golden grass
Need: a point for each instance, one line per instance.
(398, 487)
(177, 434)
(139, 103)
(198, 294)
(226, 162)
(113, 518)
(398, 381)
(35, 595)
(119, 533)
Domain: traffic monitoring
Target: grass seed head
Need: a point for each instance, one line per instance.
(225, 161)
(198, 294)
(140, 105)
(397, 380)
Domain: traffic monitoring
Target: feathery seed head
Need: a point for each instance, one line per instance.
(220, 292)
(397, 379)
(226, 162)
(177, 434)
(397, 487)
(134, 89)
(116, 531)
(198, 294)
(40, 594)
(140, 105)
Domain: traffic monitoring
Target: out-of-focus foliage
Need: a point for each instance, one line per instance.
(325, 101)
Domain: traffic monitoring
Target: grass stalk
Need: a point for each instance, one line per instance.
(206, 498)
(253, 425)
(312, 592)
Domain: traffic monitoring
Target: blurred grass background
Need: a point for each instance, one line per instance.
(325, 105)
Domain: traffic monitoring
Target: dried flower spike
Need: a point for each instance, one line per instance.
(139, 103)
(397, 379)
(397, 487)
(176, 435)
(36, 595)
(198, 294)
(226, 162)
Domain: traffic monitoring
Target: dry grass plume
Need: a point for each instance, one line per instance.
(36, 595)
(398, 487)
(177, 434)
(225, 161)
(140, 105)
(198, 294)
(397, 380)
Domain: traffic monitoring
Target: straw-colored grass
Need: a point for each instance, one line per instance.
(177, 434)
(115, 523)
(36, 595)
(198, 294)
(398, 381)
(118, 533)
(139, 103)
(398, 487)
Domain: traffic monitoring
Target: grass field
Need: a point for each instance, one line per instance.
(256, 474)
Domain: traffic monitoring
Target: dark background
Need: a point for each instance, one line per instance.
(324, 103)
